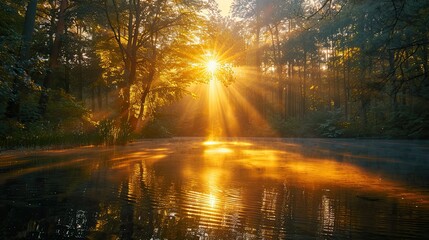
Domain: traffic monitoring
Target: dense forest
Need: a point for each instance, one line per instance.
(107, 71)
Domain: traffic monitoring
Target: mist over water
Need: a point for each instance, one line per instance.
(186, 188)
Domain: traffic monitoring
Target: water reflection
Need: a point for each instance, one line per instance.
(191, 189)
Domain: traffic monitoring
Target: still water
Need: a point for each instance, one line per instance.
(229, 189)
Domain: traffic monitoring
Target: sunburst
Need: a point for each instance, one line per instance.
(212, 65)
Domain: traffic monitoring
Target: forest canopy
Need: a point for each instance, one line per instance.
(106, 71)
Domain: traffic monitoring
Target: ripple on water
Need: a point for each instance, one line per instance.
(222, 190)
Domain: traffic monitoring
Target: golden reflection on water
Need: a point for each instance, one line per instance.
(262, 163)
(255, 189)
(218, 150)
(277, 164)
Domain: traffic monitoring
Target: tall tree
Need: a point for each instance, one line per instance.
(141, 29)
(14, 103)
(53, 56)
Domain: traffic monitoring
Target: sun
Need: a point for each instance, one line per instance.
(212, 66)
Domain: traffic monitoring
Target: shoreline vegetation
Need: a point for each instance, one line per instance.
(341, 144)
(78, 128)
(98, 138)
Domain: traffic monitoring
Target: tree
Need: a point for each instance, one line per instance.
(142, 30)
(53, 56)
(14, 103)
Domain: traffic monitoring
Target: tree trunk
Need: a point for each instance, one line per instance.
(143, 98)
(66, 66)
(27, 35)
(393, 83)
(99, 97)
(337, 103)
(14, 103)
(66, 79)
(53, 58)
(345, 69)
(80, 66)
(93, 98)
(304, 85)
(425, 62)
(363, 94)
(125, 101)
(106, 97)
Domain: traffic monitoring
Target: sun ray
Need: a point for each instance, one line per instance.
(223, 107)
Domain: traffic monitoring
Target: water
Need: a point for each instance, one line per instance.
(232, 189)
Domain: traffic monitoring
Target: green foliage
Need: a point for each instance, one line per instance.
(408, 124)
(108, 131)
(405, 124)
(316, 124)
(66, 123)
(112, 132)
(5, 95)
(287, 128)
(43, 134)
(155, 129)
(8, 60)
(63, 107)
(10, 20)
(332, 125)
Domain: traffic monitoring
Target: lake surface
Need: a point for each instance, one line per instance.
(229, 189)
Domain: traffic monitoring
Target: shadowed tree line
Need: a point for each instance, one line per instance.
(340, 68)
(98, 71)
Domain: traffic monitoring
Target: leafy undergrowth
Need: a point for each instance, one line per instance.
(67, 123)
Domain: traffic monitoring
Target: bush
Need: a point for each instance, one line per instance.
(409, 124)
(155, 129)
(332, 125)
(314, 124)
(40, 134)
(291, 127)
(112, 132)
(67, 123)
